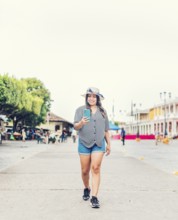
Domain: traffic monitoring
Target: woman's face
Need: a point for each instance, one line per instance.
(92, 99)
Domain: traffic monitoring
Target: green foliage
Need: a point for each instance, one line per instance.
(27, 100)
(116, 123)
(42, 98)
(9, 95)
(36, 105)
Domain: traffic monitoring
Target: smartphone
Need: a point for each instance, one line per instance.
(86, 113)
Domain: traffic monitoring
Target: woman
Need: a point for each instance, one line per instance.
(93, 133)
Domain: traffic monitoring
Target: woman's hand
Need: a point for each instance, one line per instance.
(108, 146)
(81, 123)
(84, 121)
(108, 150)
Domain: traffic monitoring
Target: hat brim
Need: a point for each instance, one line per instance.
(100, 96)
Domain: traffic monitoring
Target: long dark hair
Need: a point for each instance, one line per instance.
(98, 103)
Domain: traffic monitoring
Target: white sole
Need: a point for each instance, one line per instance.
(94, 206)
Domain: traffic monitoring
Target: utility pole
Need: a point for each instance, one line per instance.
(163, 96)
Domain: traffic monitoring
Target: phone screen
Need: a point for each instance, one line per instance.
(86, 113)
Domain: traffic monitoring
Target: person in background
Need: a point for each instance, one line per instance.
(93, 134)
(64, 135)
(74, 135)
(38, 136)
(157, 137)
(23, 135)
(123, 133)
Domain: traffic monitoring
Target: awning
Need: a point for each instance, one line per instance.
(113, 126)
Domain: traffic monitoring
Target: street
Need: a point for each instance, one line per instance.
(43, 182)
(12, 152)
(161, 156)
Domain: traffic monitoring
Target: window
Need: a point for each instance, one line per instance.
(57, 127)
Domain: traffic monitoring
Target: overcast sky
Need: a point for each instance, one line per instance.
(128, 49)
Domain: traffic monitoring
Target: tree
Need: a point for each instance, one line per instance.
(26, 101)
(37, 89)
(10, 95)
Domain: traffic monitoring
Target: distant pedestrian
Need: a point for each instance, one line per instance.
(122, 135)
(23, 135)
(92, 124)
(38, 136)
(74, 135)
(157, 137)
(64, 135)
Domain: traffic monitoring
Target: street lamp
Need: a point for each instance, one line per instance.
(164, 96)
(134, 105)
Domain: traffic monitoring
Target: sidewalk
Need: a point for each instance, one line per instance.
(48, 186)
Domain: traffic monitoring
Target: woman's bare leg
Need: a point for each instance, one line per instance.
(96, 159)
(85, 161)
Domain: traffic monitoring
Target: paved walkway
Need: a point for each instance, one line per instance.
(12, 152)
(47, 186)
(161, 156)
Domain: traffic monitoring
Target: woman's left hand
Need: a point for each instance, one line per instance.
(108, 150)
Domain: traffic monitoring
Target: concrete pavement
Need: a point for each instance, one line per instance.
(12, 152)
(161, 156)
(47, 186)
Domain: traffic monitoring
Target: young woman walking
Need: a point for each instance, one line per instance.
(93, 141)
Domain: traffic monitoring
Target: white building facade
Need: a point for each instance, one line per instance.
(162, 118)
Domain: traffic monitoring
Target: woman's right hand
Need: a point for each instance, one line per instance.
(84, 121)
(81, 123)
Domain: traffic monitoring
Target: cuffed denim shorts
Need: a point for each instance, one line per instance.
(87, 151)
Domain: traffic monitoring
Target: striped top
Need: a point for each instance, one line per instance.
(94, 131)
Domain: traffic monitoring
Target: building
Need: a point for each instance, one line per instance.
(56, 123)
(162, 118)
(3, 119)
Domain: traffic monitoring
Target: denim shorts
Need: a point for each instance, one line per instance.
(87, 151)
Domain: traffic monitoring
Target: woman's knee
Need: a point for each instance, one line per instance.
(95, 169)
(85, 171)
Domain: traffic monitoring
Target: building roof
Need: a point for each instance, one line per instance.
(55, 118)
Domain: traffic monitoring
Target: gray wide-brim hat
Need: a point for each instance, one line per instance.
(93, 90)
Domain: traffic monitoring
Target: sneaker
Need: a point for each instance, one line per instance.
(94, 202)
(86, 194)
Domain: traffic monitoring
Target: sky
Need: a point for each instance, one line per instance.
(128, 49)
